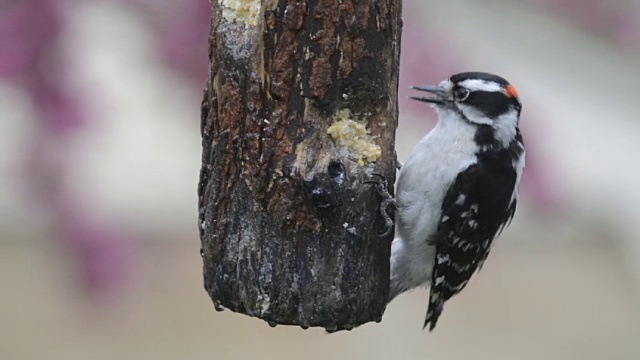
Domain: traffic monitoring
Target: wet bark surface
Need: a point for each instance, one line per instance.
(289, 230)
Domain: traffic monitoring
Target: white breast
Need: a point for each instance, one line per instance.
(426, 176)
(422, 184)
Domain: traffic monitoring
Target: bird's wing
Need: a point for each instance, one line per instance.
(476, 206)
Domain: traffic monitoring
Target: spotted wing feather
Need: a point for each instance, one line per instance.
(477, 205)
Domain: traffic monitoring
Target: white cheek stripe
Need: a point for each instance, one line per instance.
(481, 85)
(474, 115)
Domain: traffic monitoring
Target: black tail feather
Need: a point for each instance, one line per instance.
(432, 316)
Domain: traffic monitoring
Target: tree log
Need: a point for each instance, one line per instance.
(299, 109)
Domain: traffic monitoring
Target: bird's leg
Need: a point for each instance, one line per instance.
(387, 200)
(398, 163)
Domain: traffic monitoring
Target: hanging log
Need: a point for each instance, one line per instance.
(299, 109)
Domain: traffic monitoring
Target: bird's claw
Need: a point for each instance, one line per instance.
(387, 200)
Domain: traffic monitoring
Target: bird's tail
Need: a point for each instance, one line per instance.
(436, 305)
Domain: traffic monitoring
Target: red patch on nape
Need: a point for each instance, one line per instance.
(511, 91)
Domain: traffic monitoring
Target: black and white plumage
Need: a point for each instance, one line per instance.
(458, 188)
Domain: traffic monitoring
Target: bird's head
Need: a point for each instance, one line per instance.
(480, 98)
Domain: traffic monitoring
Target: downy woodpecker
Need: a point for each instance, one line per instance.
(458, 188)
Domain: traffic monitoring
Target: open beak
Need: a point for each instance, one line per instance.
(440, 94)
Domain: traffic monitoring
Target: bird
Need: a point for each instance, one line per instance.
(458, 188)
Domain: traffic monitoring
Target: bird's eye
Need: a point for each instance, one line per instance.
(461, 94)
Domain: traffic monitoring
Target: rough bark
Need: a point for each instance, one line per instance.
(289, 230)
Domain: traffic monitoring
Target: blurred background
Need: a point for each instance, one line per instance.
(99, 162)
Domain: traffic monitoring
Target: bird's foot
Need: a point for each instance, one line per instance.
(382, 187)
